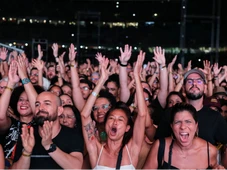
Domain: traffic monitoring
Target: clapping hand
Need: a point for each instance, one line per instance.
(28, 140)
(46, 134)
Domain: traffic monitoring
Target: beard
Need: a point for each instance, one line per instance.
(39, 119)
(194, 96)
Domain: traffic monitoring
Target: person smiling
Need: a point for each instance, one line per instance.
(184, 150)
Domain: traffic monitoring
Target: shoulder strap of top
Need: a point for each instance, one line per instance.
(100, 153)
(161, 150)
(208, 154)
(129, 154)
(170, 154)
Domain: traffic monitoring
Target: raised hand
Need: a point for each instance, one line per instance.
(72, 53)
(159, 56)
(39, 64)
(126, 54)
(180, 70)
(99, 57)
(28, 140)
(55, 49)
(40, 52)
(207, 67)
(216, 70)
(189, 66)
(139, 63)
(3, 53)
(104, 70)
(13, 77)
(21, 65)
(46, 134)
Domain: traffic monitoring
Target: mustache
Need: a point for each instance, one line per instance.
(193, 86)
(44, 112)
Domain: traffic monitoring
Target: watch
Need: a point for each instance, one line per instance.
(25, 81)
(52, 148)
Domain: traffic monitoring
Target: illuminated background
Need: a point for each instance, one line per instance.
(107, 25)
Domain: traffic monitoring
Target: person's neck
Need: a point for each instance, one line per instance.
(184, 148)
(26, 119)
(197, 104)
(56, 127)
(113, 147)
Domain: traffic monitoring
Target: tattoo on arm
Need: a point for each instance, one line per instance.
(90, 129)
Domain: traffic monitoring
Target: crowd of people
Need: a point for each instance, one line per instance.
(114, 115)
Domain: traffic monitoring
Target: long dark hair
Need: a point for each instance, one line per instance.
(122, 106)
(16, 94)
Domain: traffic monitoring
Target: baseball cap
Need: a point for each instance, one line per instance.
(199, 72)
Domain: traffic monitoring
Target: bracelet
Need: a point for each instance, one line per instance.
(73, 65)
(24, 154)
(156, 72)
(209, 80)
(11, 89)
(94, 94)
(123, 65)
(133, 106)
(162, 67)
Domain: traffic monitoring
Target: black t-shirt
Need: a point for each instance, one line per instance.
(212, 126)
(158, 111)
(68, 140)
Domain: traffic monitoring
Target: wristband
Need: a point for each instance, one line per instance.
(11, 89)
(24, 154)
(94, 94)
(73, 65)
(25, 81)
(162, 67)
(123, 65)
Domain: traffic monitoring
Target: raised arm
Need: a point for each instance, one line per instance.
(207, 71)
(139, 126)
(39, 64)
(30, 90)
(170, 73)
(76, 92)
(88, 126)
(5, 121)
(123, 76)
(216, 71)
(160, 59)
(62, 67)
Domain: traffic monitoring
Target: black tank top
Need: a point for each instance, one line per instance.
(166, 165)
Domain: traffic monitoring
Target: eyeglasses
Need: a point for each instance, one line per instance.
(85, 88)
(94, 79)
(2, 87)
(104, 106)
(34, 75)
(66, 117)
(146, 99)
(197, 81)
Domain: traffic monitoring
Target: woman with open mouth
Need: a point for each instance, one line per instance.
(121, 149)
(184, 150)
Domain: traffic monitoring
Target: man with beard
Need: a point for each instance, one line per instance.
(211, 125)
(49, 145)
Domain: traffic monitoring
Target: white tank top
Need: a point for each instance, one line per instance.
(124, 167)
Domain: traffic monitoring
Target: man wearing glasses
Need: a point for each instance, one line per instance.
(212, 126)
